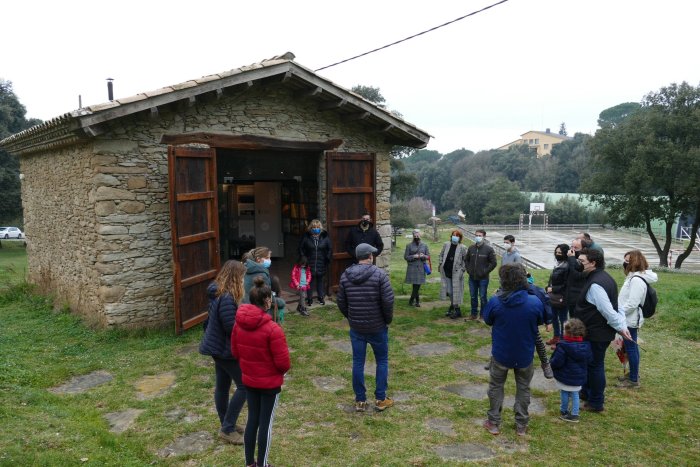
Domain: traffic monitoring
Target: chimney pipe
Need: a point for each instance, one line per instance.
(110, 89)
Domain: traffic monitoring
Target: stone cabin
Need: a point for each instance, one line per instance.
(131, 206)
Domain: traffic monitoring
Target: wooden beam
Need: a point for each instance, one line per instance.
(387, 128)
(287, 76)
(191, 101)
(317, 91)
(93, 130)
(154, 112)
(219, 93)
(356, 116)
(218, 140)
(332, 105)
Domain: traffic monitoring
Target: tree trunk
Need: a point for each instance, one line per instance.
(662, 252)
(693, 235)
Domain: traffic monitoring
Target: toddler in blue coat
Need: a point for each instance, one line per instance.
(570, 364)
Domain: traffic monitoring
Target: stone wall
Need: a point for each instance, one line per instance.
(99, 226)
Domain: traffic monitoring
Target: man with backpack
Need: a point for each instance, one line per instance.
(597, 308)
(637, 301)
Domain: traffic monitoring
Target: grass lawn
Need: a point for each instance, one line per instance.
(41, 348)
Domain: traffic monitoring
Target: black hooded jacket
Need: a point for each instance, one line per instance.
(365, 298)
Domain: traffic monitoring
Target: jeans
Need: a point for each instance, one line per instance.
(559, 315)
(565, 397)
(594, 389)
(497, 380)
(481, 285)
(632, 350)
(228, 370)
(380, 347)
(261, 413)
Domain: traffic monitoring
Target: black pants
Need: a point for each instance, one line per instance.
(414, 292)
(261, 413)
(317, 282)
(228, 370)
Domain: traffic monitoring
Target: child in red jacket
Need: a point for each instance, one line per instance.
(301, 282)
(259, 345)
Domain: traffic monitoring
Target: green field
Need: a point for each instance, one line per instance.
(42, 348)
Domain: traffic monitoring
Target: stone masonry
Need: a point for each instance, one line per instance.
(97, 212)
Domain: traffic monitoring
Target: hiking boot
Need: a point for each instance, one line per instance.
(449, 311)
(456, 314)
(232, 438)
(521, 430)
(628, 384)
(589, 408)
(569, 418)
(491, 427)
(473, 318)
(547, 369)
(303, 311)
(380, 406)
(361, 406)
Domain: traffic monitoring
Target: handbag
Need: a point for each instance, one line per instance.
(428, 266)
(557, 300)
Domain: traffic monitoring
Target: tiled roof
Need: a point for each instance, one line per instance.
(73, 126)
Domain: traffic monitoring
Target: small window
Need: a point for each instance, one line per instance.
(537, 141)
(546, 145)
(532, 141)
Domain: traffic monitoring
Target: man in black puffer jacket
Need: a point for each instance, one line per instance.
(366, 299)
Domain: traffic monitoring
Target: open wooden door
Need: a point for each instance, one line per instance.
(194, 225)
(351, 192)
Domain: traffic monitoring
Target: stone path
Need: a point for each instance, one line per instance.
(431, 349)
(80, 384)
(152, 386)
(122, 421)
(189, 444)
(465, 452)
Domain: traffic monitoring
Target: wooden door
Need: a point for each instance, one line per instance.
(194, 228)
(351, 192)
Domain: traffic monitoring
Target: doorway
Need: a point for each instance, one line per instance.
(266, 198)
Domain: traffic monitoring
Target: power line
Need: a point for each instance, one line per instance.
(411, 37)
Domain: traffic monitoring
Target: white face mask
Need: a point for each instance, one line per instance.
(478, 239)
(507, 245)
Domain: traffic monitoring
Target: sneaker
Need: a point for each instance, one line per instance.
(569, 418)
(361, 406)
(563, 412)
(383, 405)
(233, 438)
(308, 302)
(521, 430)
(321, 301)
(547, 369)
(491, 427)
(628, 384)
(473, 317)
(303, 311)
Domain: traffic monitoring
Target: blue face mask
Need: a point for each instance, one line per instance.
(315, 231)
(478, 239)
(455, 239)
(266, 263)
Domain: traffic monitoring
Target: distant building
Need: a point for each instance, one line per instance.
(541, 141)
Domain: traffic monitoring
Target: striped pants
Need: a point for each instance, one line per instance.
(261, 413)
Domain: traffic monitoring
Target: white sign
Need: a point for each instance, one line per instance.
(536, 207)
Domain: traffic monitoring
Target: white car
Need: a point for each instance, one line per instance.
(10, 232)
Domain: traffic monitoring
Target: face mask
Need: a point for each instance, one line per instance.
(364, 223)
(315, 231)
(625, 265)
(507, 246)
(455, 239)
(416, 239)
(530, 280)
(560, 257)
(478, 239)
(266, 263)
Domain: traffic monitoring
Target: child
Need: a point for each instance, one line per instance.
(301, 282)
(570, 363)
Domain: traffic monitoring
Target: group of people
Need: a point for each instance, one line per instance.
(587, 311)
(249, 347)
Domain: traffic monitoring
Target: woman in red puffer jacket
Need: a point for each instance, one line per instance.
(259, 345)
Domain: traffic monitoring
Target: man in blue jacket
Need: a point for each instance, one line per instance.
(514, 316)
(366, 299)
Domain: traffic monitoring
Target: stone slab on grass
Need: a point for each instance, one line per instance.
(152, 386)
(188, 444)
(180, 414)
(121, 421)
(540, 382)
(343, 346)
(81, 384)
(431, 349)
(468, 390)
(472, 367)
(442, 425)
(465, 452)
(484, 351)
(328, 383)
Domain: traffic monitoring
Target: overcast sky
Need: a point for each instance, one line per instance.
(478, 83)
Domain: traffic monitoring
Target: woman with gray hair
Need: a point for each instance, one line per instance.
(416, 255)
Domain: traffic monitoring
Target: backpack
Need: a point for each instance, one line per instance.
(650, 301)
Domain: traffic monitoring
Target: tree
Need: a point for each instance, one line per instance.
(505, 203)
(562, 129)
(370, 93)
(12, 120)
(647, 165)
(614, 115)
